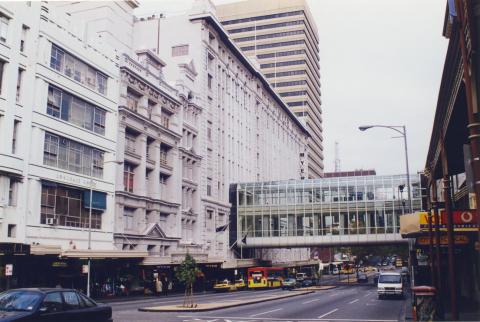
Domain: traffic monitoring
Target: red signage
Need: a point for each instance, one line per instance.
(461, 218)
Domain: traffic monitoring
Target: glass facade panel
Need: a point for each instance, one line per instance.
(324, 207)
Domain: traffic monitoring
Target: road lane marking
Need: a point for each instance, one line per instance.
(356, 300)
(334, 294)
(323, 315)
(279, 319)
(254, 315)
(314, 300)
(368, 294)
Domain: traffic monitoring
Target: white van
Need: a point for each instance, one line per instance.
(390, 283)
(300, 277)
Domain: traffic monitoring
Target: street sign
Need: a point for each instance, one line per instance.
(9, 270)
(85, 269)
(459, 240)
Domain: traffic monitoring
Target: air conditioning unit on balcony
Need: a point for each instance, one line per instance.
(50, 221)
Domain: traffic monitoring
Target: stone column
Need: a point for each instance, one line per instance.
(139, 183)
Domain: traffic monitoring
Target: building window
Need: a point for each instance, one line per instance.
(209, 187)
(165, 119)
(209, 131)
(283, 63)
(76, 69)
(264, 17)
(128, 176)
(12, 231)
(268, 36)
(289, 73)
(19, 84)
(64, 206)
(164, 154)
(132, 100)
(12, 192)
(75, 110)
(69, 155)
(128, 216)
(3, 27)
(130, 142)
(23, 38)
(2, 70)
(180, 50)
(210, 80)
(16, 125)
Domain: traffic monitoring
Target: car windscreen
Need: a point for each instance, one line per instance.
(393, 279)
(19, 300)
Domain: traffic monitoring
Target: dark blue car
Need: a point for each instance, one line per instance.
(51, 304)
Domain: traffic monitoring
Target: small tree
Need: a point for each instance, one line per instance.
(187, 274)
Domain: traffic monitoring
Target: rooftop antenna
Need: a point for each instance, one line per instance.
(337, 157)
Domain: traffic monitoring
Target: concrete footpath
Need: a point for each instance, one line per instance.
(220, 304)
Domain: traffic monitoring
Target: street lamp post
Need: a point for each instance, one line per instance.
(403, 131)
(90, 219)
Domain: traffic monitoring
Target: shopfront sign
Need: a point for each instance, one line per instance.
(463, 220)
(459, 240)
(60, 264)
(9, 270)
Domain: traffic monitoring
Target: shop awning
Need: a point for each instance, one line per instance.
(240, 263)
(45, 250)
(85, 253)
(412, 225)
(99, 200)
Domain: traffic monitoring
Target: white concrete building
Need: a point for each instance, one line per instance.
(85, 103)
(58, 124)
(245, 131)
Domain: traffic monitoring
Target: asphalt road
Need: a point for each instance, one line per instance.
(344, 303)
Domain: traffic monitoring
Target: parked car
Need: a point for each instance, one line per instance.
(51, 304)
(223, 286)
(307, 283)
(289, 284)
(240, 284)
(362, 277)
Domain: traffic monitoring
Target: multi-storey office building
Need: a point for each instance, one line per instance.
(330, 211)
(282, 37)
(245, 131)
(59, 124)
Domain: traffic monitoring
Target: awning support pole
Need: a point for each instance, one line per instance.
(450, 232)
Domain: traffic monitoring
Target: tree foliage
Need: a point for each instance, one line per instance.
(187, 275)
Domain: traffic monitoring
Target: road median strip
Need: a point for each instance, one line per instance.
(219, 305)
(315, 288)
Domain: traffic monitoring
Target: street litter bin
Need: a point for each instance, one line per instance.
(424, 306)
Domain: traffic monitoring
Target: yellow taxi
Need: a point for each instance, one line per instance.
(226, 285)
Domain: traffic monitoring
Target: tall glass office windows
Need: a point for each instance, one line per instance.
(75, 110)
(69, 155)
(322, 207)
(76, 69)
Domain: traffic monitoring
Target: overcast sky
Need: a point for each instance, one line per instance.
(380, 63)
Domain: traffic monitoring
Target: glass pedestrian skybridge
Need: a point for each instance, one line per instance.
(330, 211)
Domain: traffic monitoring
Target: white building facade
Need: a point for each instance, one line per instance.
(58, 123)
(87, 116)
(245, 131)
